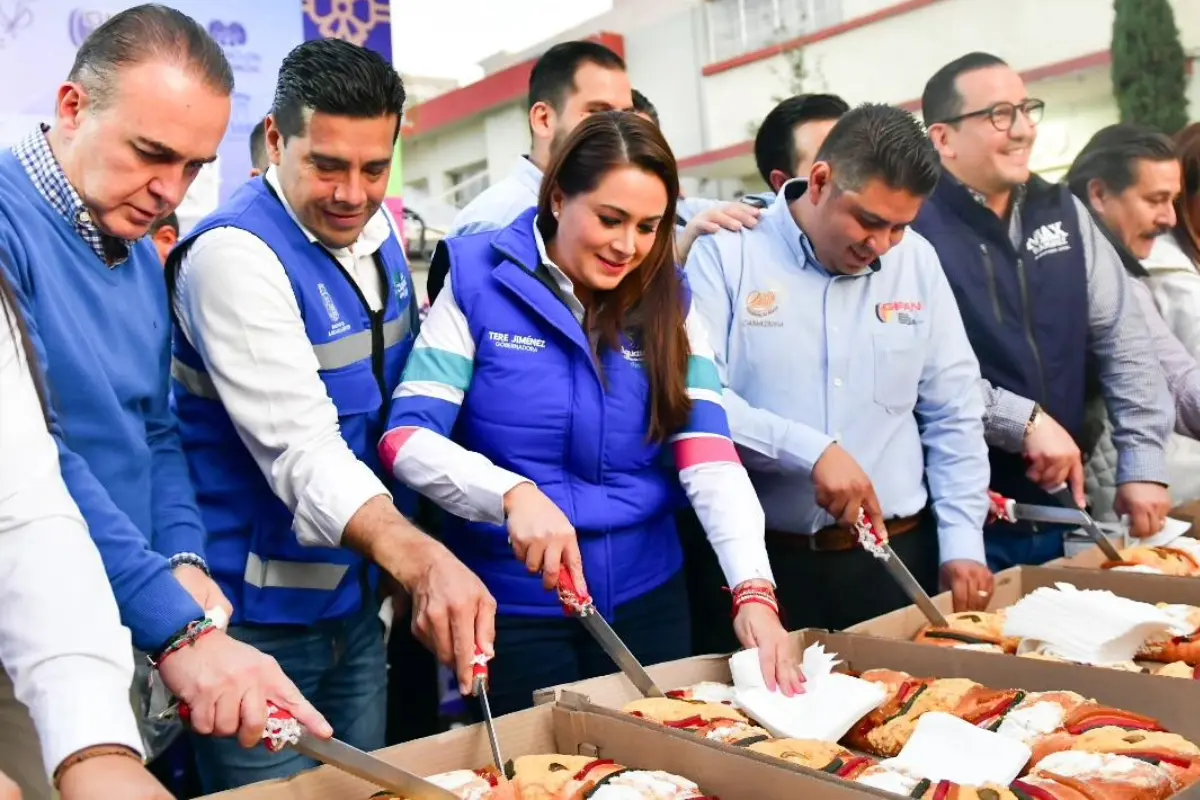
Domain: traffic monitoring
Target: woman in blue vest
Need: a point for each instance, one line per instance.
(536, 408)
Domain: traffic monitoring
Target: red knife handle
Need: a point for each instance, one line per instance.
(867, 525)
(281, 729)
(573, 602)
(999, 506)
(479, 667)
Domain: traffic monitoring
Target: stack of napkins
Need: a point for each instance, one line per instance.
(1087, 627)
(946, 748)
(831, 704)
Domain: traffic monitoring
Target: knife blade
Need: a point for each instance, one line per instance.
(1067, 514)
(1067, 498)
(875, 544)
(581, 606)
(479, 670)
(350, 759)
(282, 730)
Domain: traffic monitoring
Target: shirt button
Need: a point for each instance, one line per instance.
(84, 218)
(837, 382)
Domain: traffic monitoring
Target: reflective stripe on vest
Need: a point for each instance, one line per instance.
(334, 355)
(196, 382)
(357, 346)
(293, 574)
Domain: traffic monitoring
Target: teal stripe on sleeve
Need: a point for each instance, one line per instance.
(439, 366)
(702, 374)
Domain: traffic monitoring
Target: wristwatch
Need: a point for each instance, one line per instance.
(1035, 419)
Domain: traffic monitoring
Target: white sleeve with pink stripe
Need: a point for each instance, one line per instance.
(713, 477)
(417, 448)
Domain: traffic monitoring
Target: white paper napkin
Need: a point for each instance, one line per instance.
(946, 748)
(1172, 529)
(1088, 627)
(831, 704)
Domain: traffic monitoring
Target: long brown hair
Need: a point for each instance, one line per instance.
(1187, 230)
(650, 296)
(15, 320)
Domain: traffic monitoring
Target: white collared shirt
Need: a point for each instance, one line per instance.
(236, 306)
(61, 639)
(501, 203)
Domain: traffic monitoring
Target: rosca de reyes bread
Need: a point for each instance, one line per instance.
(972, 630)
(561, 777)
(1180, 558)
(984, 631)
(1082, 750)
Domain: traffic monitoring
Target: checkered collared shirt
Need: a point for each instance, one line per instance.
(44, 171)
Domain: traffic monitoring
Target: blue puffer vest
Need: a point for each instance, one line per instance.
(1025, 309)
(255, 558)
(540, 406)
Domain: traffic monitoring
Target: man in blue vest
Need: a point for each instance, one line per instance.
(1042, 294)
(296, 315)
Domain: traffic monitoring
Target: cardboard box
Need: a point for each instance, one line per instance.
(1171, 701)
(556, 729)
(1013, 584)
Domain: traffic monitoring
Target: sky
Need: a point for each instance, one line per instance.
(429, 38)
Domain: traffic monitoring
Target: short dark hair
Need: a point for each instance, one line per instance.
(553, 76)
(1111, 157)
(169, 221)
(877, 141)
(258, 146)
(642, 105)
(775, 142)
(140, 34)
(941, 101)
(335, 77)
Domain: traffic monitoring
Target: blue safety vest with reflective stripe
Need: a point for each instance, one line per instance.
(270, 578)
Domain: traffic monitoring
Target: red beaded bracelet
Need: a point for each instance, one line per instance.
(754, 594)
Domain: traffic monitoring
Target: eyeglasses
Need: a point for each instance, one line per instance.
(1004, 115)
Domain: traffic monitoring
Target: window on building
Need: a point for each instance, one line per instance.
(741, 26)
(467, 182)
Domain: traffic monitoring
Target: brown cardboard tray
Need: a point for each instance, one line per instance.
(558, 729)
(1170, 700)
(1013, 584)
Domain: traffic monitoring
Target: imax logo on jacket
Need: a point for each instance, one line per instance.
(1048, 240)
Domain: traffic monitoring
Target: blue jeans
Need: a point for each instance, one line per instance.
(538, 652)
(1010, 549)
(340, 666)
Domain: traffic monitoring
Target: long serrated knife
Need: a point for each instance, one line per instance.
(283, 730)
(350, 759)
(581, 607)
(1068, 513)
(479, 673)
(877, 545)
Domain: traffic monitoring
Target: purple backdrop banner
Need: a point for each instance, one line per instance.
(366, 23)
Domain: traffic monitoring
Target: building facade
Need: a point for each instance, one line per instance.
(714, 68)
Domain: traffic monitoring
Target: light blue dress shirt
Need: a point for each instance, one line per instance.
(878, 362)
(501, 203)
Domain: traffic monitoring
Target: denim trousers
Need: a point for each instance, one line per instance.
(538, 652)
(340, 666)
